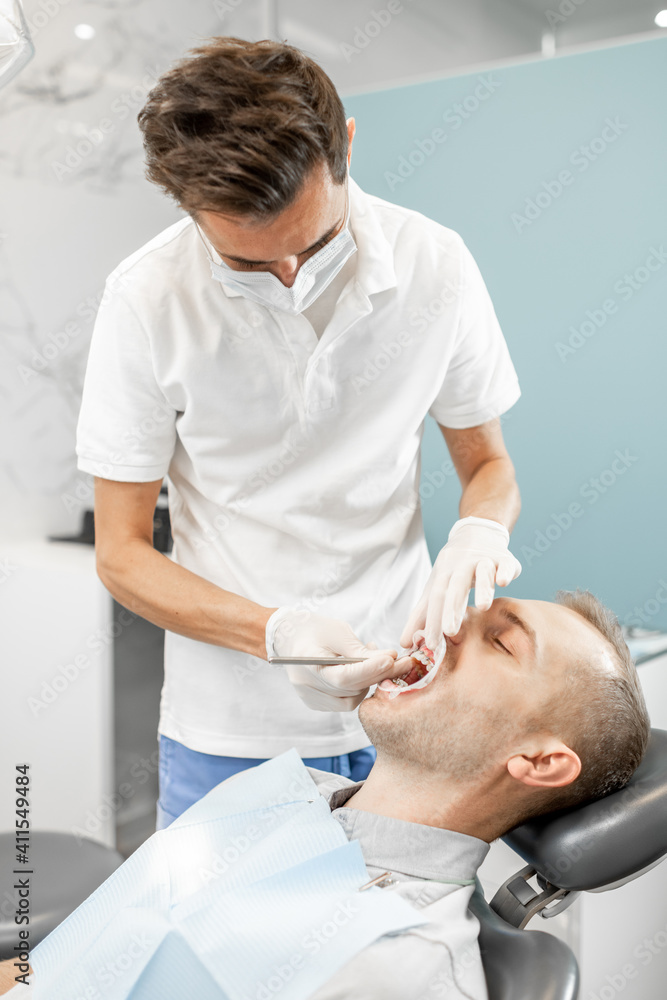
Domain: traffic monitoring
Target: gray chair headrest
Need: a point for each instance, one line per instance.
(606, 841)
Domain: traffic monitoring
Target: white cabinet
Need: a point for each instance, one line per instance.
(56, 647)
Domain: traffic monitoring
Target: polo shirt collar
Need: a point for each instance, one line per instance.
(375, 255)
(412, 849)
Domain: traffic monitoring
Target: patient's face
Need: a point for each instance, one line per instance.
(499, 674)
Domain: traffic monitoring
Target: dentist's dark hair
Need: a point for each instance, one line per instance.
(237, 126)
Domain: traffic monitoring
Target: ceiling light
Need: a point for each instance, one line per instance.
(84, 31)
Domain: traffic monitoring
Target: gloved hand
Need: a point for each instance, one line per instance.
(336, 688)
(476, 552)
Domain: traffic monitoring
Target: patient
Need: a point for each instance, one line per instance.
(536, 707)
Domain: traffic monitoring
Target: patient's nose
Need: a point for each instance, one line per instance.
(472, 620)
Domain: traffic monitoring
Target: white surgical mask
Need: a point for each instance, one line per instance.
(312, 277)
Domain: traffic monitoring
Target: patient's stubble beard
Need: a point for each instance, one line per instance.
(457, 739)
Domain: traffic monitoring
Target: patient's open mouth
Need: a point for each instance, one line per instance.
(423, 665)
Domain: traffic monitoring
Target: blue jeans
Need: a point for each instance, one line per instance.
(187, 775)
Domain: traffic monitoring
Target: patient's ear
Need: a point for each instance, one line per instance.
(553, 767)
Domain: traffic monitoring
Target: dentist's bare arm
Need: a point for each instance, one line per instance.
(8, 973)
(149, 583)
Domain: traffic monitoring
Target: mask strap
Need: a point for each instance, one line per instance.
(347, 199)
(207, 245)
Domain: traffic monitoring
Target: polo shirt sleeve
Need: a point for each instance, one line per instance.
(127, 428)
(480, 382)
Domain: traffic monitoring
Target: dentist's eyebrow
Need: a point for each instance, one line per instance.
(513, 619)
(244, 260)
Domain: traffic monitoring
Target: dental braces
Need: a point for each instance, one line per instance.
(431, 659)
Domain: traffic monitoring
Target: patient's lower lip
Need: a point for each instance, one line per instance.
(387, 685)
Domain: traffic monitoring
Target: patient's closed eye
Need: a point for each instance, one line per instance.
(497, 643)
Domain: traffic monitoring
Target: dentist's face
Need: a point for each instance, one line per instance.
(281, 246)
(501, 676)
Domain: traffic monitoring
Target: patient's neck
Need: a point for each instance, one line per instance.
(414, 795)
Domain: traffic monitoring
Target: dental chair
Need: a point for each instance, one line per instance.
(592, 848)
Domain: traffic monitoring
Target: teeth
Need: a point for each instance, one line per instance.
(425, 675)
(420, 655)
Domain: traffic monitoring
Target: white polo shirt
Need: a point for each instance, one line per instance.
(293, 461)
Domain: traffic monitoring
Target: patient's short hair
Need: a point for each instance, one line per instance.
(602, 716)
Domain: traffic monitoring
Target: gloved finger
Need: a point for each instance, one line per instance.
(456, 602)
(508, 569)
(417, 616)
(485, 576)
(432, 628)
(433, 625)
(352, 677)
(398, 667)
(416, 621)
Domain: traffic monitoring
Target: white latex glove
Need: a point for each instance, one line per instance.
(297, 632)
(476, 553)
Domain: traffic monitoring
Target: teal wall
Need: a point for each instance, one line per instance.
(586, 396)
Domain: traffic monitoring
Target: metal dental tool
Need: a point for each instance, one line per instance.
(319, 661)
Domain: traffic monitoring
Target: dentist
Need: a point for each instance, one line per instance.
(275, 354)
